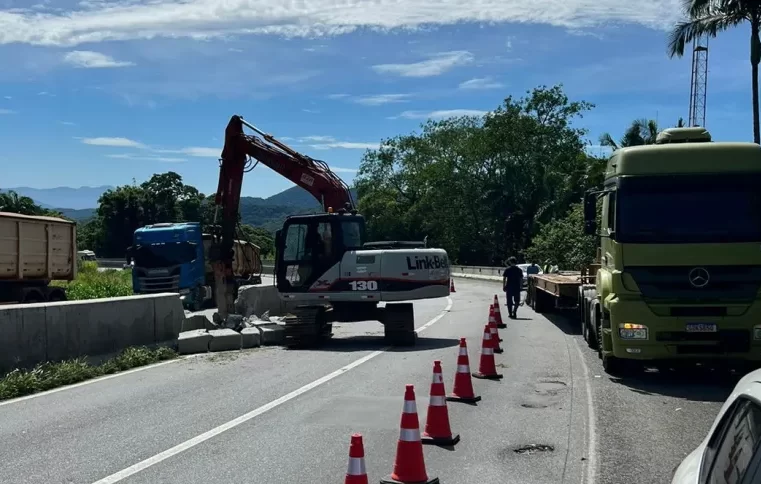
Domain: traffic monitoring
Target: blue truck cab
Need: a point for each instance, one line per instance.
(169, 257)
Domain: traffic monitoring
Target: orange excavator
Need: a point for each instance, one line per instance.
(323, 265)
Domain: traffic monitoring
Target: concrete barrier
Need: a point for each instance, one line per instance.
(34, 333)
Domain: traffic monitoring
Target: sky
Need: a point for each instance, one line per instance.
(98, 92)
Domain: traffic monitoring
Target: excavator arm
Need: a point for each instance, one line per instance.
(314, 176)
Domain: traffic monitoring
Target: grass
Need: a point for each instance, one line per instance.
(93, 284)
(47, 376)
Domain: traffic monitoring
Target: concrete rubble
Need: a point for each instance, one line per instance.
(241, 331)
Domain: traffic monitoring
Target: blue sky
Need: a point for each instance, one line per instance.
(100, 92)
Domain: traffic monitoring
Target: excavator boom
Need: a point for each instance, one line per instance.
(310, 174)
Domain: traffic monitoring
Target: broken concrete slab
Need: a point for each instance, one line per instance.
(251, 337)
(197, 321)
(224, 340)
(272, 333)
(196, 341)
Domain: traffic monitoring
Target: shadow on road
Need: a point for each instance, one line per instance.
(699, 385)
(375, 343)
(564, 321)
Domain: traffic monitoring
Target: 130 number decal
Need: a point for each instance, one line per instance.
(364, 285)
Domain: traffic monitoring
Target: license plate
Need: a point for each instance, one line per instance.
(701, 327)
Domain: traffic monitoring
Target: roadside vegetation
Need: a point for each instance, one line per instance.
(93, 284)
(47, 376)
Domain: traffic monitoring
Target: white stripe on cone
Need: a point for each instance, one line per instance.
(356, 466)
(409, 435)
(463, 369)
(488, 351)
(463, 351)
(437, 378)
(438, 401)
(409, 406)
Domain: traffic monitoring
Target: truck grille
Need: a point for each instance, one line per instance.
(726, 341)
(159, 284)
(725, 283)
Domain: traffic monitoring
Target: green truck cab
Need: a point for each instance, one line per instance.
(680, 254)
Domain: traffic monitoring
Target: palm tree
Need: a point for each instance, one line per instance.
(10, 201)
(640, 132)
(709, 17)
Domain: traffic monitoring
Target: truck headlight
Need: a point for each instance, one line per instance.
(757, 332)
(632, 331)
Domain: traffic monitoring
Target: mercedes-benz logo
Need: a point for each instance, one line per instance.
(698, 277)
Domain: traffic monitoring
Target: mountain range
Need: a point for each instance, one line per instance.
(79, 203)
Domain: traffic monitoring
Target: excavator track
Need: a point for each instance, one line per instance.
(306, 326)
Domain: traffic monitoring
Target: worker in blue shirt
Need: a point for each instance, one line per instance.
(512, 283)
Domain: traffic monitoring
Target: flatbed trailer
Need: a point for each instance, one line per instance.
(561, 291)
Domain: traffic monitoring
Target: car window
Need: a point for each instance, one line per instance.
(734, 443)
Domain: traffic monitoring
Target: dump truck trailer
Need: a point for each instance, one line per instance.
(679, 280)
(35, 250)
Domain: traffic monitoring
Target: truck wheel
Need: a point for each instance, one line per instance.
(598, 337)
(617, 366)
(589, 320)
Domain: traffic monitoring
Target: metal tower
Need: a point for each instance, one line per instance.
(699, 82)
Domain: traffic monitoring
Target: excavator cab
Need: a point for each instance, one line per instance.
(309, 245)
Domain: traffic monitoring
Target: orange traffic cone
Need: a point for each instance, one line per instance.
(463, 385)
(437, 429)
(451, 285)
(487, 369)
(497, 314)
(495, 339)
(356, 474)
(409, 465)
(493, 324)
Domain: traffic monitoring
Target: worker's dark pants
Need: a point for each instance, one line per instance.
(513, 301)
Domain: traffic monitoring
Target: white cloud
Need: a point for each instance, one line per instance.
(345, 145)
(436, 65)
(116, 142)
(481, 83)
(93, 60)
(304, 139)
(379, 99)
(7, 111)
(441, 114)
(162, 159)
(98, 21)
(320, 142)
(202, 152)
(337, 96)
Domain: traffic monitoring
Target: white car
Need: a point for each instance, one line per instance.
(523, 267)
(730, 453)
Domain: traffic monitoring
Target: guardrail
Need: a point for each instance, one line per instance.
(111, 263)
(268, 267)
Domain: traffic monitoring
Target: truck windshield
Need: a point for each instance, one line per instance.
(156, 256)
(689, 209)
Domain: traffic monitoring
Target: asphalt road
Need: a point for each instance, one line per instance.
(274, 415)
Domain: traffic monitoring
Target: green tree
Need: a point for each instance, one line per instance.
(480, 186)
(562, 242)
(640, 132)
(709, 17)
(11, 201)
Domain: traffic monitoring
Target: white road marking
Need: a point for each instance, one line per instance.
(591, 424)
(94, 380)
(151, 461)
